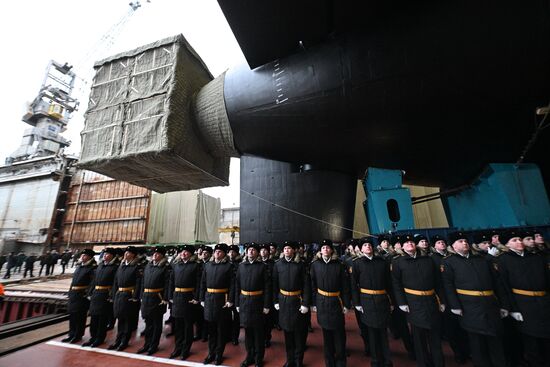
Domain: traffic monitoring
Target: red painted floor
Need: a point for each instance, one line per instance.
(47, 355)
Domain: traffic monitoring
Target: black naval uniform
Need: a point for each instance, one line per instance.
(126, 295)
(252, 295)
(101, 303)
(292, 289)
(451, 330)
(184, 287)
(154, 298)
(371, 289)
(202, 326)
(416, 283)
(217, 288)
(270, 318)
(235, 322)
(363, 329)
(78, 299)
(330, 293)
(472, 286)
(527, 282)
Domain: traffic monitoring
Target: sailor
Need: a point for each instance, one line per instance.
(79, 291)
(371, 290)
(422, 244)
(354, 251)
(184, 295)
(235, 259)
(418, 292)
(385, 250)
(398, 322)
(266, 258)
(528, 240)
(526, 277)
(201, 326)
(217, 298)
(154, 296)
(540, 242)
(252, 301)
(101, 303)
(331, 299)
(126, 294)
(452, 332)
(475, 294)
(291, 297)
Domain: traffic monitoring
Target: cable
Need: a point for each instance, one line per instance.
(534, 137)
(226, 183)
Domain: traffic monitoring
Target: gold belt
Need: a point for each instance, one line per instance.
(429, 292)
(529, 293)
(328, 294)
(79, 287)
(103, 287)
(290, 293)
(252, 293)
(373, 291)
(126, 289)
(475, 293)
(153, 290)
(184, 290)
(217, 290)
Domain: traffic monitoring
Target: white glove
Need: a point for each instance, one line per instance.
(359, 308)
(202, 303)
(404, 308)
(228, 305)
(266, 311)
(344, 310)
(503, 313)
(442, 308)
(313, 308)
(304, 309)
(194, 301)
(237, 308)
(457, 311)
(276, 306)
(516, 316)
(493, 251)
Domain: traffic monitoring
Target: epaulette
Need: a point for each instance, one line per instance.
(448, 255)
(357, 258)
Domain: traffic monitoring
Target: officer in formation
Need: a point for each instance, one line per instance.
(80, 289)
(292, 298)
(330, 299)
(418, 292)
(371, 291)
(477, 293)
(252, 302)
(217, 297)
(184, 294)
(101, 303)
(154, 298)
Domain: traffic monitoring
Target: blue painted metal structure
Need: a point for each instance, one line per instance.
(388, 206)
(504, 195)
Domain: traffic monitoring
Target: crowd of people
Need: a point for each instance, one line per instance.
(488, 298)
(47, 262)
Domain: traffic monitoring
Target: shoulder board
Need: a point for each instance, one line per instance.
(448, 255)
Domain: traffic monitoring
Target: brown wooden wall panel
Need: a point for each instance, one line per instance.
(108, 211)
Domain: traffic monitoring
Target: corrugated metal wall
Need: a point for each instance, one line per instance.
(26, 209)
(107, 211)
